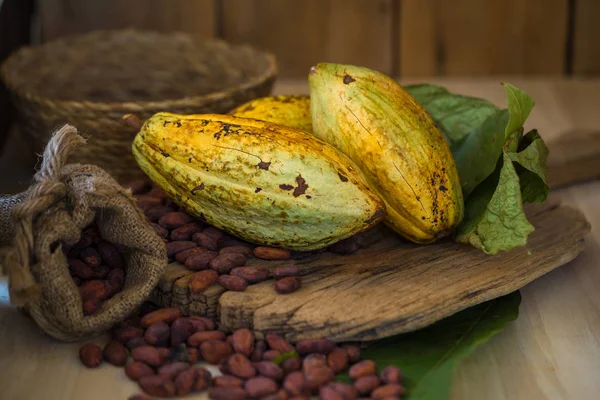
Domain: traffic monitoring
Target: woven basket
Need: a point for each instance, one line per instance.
(92, 80)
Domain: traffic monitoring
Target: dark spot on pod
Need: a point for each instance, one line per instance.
(178, 123)
(423, 218)
(308, 197)
(204, 122)
(264, 165)
(190, 159)
(226, 129)
(165, 154)
(217, 135)
(443, 188)
(197, 188)
(285, 187)
(257, 190)
(342, 177)
(166, 123)
(348, 79)
(302, 186)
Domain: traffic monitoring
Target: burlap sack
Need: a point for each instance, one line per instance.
(63, 200)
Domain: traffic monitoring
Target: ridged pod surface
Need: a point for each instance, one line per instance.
(290, 110)
(369, 117)
(265, 183)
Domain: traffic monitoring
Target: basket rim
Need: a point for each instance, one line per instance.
(270, 72)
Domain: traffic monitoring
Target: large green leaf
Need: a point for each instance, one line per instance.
(428, 357)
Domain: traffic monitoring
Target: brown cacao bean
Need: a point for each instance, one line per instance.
(251, 274)
(321, 346)
(337, 360)
(148, 355)
(295, 384)
(185, 232)
(327, 393)
(347, 391)
(111, 255)
(91, 257)
(174, 220)
(158, 334)
(243, 342)
(213, 351)
(165, 354)
(259, 349)
(171, 370)
(366, 384)
(291, 364)
(205, 241)
(391, 374)
(269, 369)
(233, 283)
(288, 284)
(155, 213)
(391, 389)
(91, 306)
(177, 247)
(101, 272)
(285, 271)
(157, 385)
(353, 351)
(181, 329)
(209, 324)
(362, 368)
(243, 250)
(185, 381)
(199, 261)
(135, 342)
(318, 376)
(166, 315)
(218, 235)
(126, 333)
(157, 192)
(271, 253)
(271, 355)
(80, 269)
(203, 379)
(314, 361)
(182, 256)
(260, 386)
(278, 343)
(197, 338)
(160, 231)
(227, 381)
(238, 365)
(93, 289)
(224, 263)
(116, 278)
(227, 393)
(135, 370)
(115, 353)
(90, 355)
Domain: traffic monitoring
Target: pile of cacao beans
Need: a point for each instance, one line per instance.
(97, 268)
(218, 257)
(164, 346)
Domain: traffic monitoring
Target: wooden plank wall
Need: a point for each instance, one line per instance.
(401, 37)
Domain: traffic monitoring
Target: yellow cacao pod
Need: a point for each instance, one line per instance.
(265, 183)
(291, 110)
(374, 121)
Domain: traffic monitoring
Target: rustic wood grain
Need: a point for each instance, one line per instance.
(391, 287)
(586, 38)
(59, 17)
(302, 33)
(473, 37)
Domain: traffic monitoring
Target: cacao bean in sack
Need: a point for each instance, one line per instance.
(36, 224)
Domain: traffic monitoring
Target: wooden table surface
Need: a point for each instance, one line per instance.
(551, 352)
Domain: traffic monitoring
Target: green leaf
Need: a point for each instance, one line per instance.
(280, 359)
(428, 357)
(519, 107)
(532, 167)
(455, 115)
(494, 217)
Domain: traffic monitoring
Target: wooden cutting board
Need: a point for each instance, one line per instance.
(389, 288)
